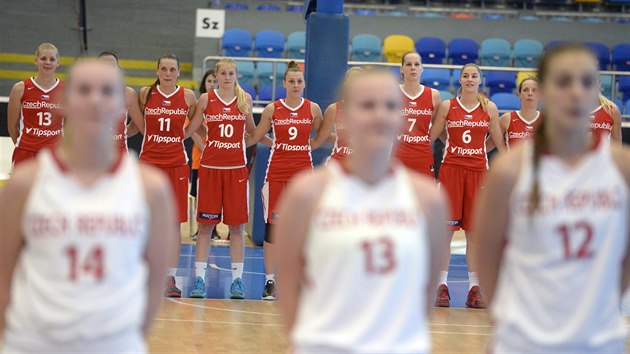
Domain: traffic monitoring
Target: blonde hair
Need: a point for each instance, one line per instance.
(483, 101)
(47, 46)
(606, 104)
(364, 72)
(241, 95)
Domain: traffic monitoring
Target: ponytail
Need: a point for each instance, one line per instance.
(241, 95)
(157, 81)
(483, 101)
(606, 104)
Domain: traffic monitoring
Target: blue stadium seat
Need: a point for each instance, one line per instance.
(606, 85)
(624, 86)
(236, 42)
(296, 45)
(395, 70)
(553, 44)
(439, 79)
(295, 8)
(463, 51)
(619, 2)
(236, 6)
(493, 17)
(265, 92)
(366, 47)
(431, 15)
(627, 108)
(264, 73)
(560, 19)
(495, 52)
(397, 14)
(363, 12)
(455, 78)
(623, 21)
(268, 7)
(432, 50)
(621, 57)
(446, 95)
(526, 53)
(529, 18)
(245, 72)
(506, 101)
(249, 89)
(269, 44)
(603, 53)
(500, 81)
(619, 104)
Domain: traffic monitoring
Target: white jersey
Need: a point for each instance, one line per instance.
(559, 284)
(367, 269)
(80, 282)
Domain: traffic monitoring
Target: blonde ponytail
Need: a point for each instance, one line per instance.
(241, 95)
(483, 101)
(606, 104)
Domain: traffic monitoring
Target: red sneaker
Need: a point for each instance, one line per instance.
(475, 300)
(171, 288)
(443, 297)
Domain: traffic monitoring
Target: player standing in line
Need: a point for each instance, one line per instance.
(223, 176)
(122, 130)
(366, 226)
(292, 119)
(552, 224)
(166, 108)
(85, 233)
(333, 116)
(419, 107)
(467, 120)
(519, 125)
(606, 119)
(34, 113)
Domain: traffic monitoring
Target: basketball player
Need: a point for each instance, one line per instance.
(85, 233)
(552, 224)
(419, 107)
(122, 130)
(519, 125)
(333, 116)
(606, 119)
(467, 120)
(359, 240)
(292, 119)
(166, 108)
(223, 176)
(34, 113)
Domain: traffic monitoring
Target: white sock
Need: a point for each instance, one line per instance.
(442, 277)
(473, 279)
(237, 271)
(269, 277)
(171, 272)
(200, 269)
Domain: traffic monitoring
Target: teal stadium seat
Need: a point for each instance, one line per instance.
(446, 95)
(526, 53)
(607, 85)
(245, 72)
(296, 45)
(506, 101)
(438, 79)
(495, 52)
(367, 47)
(236, 42)
(264, 73)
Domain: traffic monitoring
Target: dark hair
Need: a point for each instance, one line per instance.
(157, 81)
(108, 53)
(292, 67)
(202, 87)
(541, 143)
(529, 78)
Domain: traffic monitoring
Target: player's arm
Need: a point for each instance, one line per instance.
(437, 100)
(439, 122)
(262, 128)
(329, 115)
(12, 200)
(491, 219)
(322, 126)
(496, 135)
(142, 97)
(615, 134)
(504, 123)
(196, 119)
(435, 209)
(161, 242)
(621, 156)
(290, 233)
(134, 111)
(250, 126)
(13, 110)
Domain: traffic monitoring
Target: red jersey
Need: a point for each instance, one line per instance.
(519, 128)
(466, 136)
(414, 142)
(119, 133)
(291, 150)
(41, 116)
(342, 148)
(601, 122)
(165, 119)
(225, 144)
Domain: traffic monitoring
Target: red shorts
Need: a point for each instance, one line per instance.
(20, 155)
(223, 195)
(272, 191)
(179, 176)
(462, 186)
(422, 165)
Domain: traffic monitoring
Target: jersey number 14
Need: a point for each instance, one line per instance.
(90, 264)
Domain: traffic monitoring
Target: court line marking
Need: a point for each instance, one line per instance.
(220, 322)
(222, 309)
(214, 266)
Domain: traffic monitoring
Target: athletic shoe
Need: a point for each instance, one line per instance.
(474, 299)
(194, 236)
(199, 289)
(270, 291)
(237, 290)
(443, 298)
(215, 235)
(171, 288)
